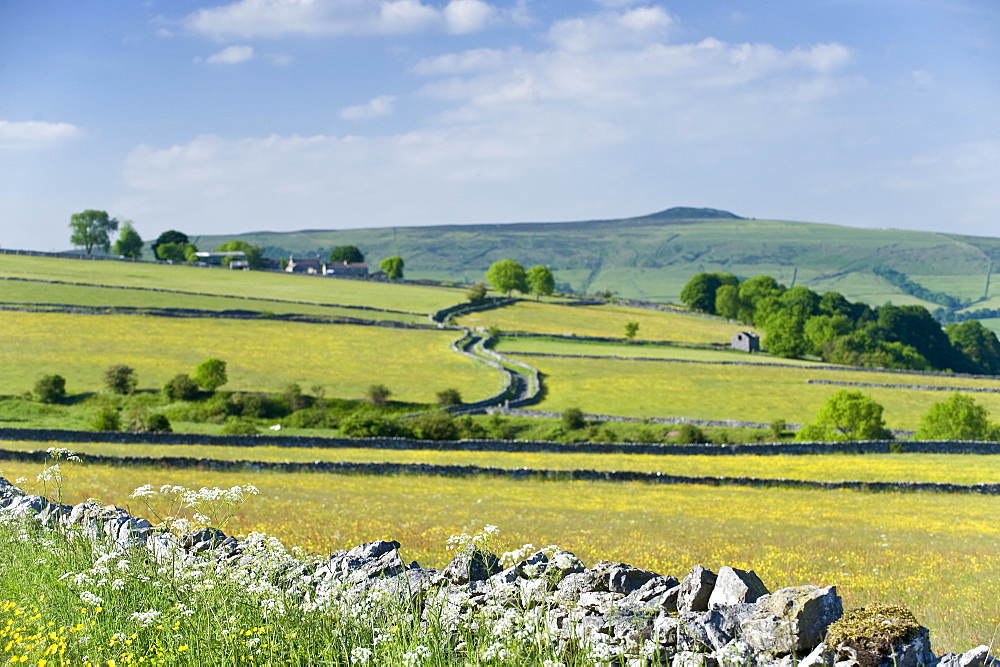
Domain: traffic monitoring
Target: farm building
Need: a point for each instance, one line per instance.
(313, 266)
(347, 269)
(747, 341)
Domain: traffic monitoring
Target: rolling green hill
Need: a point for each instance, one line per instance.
(651, 257)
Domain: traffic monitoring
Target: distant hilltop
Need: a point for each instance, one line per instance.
(690, 213)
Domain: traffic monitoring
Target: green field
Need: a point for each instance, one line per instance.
(935, 553)
(261, 355)
(222, 282)
(753, 393)
(947, 468)
(609, 320)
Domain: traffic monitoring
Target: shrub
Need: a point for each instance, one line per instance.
(470, 429)
(689, 434)
(448, 397)
(500, 429)
(210, 374)
(107, 419)
(239, 426)
(181, 388)
(366, 424)
(572, 418)
(958, 418)
(846, 415)
(477, 293)
(294, 398)
(777, 427)
(150, 422)
(435, 426)
(314, 417)
(120, 379)
(378, 395)
(50, 389)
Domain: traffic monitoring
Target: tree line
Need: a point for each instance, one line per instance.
(798, 322)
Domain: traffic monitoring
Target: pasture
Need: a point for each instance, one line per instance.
(261, 355)
(754, 393)
(935, 553)
(223, 282)
(607, 320)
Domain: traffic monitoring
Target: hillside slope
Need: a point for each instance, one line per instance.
(652, 256)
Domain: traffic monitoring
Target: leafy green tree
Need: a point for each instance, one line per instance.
(699, 292)
(92, 229)
(107, 419)
(756, 296)
(958, 418)
(846, 415)
(540, 281)
(176, 252)
(822, 328)
(169, 236)
(210, 374)
(477, 292)
(727, 302)
(435, 426)
(784, 335)
(914, 326)
(254, 255)
(393, 267)
(347, 254)
(120, 379)
(378, 395)
(50, 388)
(506, 276)
(447, 397)
(631, 330)
(572, 418)
(129, 243)
(978, 344)
(181, 388)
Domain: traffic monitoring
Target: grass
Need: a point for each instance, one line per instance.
(949, 468)
(609, 320)
(261, 355)
(222, 282)
(934, 553)
(754, 393)
(19, 292)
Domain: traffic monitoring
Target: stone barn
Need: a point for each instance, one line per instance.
(747, 341)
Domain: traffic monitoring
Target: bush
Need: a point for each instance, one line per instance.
(210, 374)
(846, 415)
(107, 419)
(314, 417)
(294, 397)
(371, 425)
(447, 397)
(378, 395)
(120, 379)
(470, 429)
(689, 434)
(151, 422)
(500, 429)
(958, 418)
(239, 426)
(50, 389)
(572, 418)
(477, 293)
(181, 388)
(435, 426)
(778, 427)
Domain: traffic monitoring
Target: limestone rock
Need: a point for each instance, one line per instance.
(621, 577)
(696, 589)
(470, 565)
(792, 620)
(735, 586)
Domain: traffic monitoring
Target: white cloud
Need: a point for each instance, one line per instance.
(609, 30)
(376, 108)
(231, 55)
(458, 63)
(465, 16)
(35, 134)
(279, 18)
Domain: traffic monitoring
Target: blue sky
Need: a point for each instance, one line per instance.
(224, 117)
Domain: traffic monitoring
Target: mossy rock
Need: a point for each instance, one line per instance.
(874, 632)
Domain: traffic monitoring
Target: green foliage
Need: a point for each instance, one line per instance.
(506, 276)
(169, 236)
(540, 281)
(977, 344)
(176, 252)
(253, 254)
(572, 418)
(120, 379)
(149, 422)
(378, 395)
(727, 302)
(447, 397)
(239, 426)
(50, 389)
(210, 374)
(435, 426)
(294, 398)
(777, 428)
(312, 417)
(958, 418)
(872, 631)
(347, 254)
(368, 424)
(699, 292)
(846, 415)
(689, 434)
(393, 267)
(181, 388)
(500, 428)
(903, 282)
(631, 329)
(129, 243)
(477, 293)
(92, 229)
(107, 419)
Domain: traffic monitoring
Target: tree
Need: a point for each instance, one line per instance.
(393, 267)
(756, 295)
(129, 243)
(169, 236)
(252, 253)
(477, 293)
(92, 229)
(378, 395)
(120, 379)
(50, 388)
(727, 302)
(978, 344)
(958, 418)
(540, 281)
(181, 388)
(447, 397)
(699, 292)
(572, 418)
(506, 276)
(176, 252)
(347, 254)
(846, 415)
(210, 374)
(631, 329)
